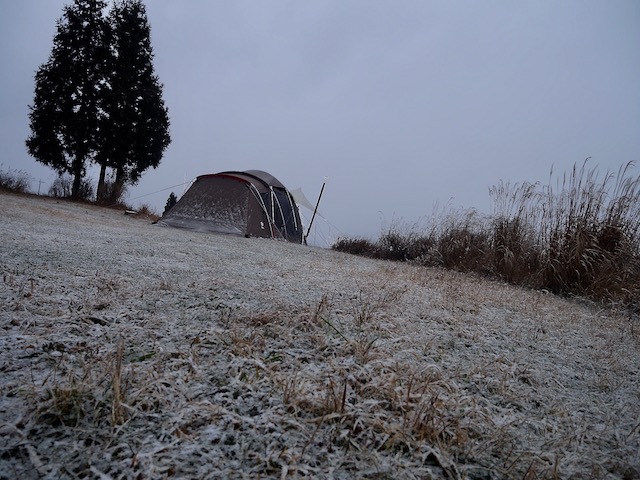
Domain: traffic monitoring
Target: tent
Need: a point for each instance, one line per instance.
(251, 204)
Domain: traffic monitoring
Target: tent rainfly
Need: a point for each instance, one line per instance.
(251, 204)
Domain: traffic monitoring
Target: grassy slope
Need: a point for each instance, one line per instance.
(129, 349)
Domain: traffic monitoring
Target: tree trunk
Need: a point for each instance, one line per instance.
(78, 163)
(100, 193)
(118, 185)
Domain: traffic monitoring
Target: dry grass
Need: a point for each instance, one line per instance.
(147, 211)
(576, 236)
(16, 181)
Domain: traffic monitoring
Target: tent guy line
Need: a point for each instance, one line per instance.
(164, 189)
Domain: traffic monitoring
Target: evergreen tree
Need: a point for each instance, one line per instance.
(97, 98)
(66, 113)
(136, 126)
(171, 201)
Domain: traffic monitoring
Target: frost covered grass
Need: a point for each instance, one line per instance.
(135, 351)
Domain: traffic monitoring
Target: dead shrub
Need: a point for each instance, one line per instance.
(62, 187)
(147, 211)
(113, 192)
(578, 235)
(463, 249)
(17, 181)
(355, 246)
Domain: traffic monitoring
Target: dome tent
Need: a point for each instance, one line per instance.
(251, 204)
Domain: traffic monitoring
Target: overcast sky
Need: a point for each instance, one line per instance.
(401, 104)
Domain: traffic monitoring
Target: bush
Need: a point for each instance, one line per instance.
(464, 250)
(62, 187)
(14, 180)
(394, 246)
(147, 211)
(113, 192)
(355, 246)
(579, 236)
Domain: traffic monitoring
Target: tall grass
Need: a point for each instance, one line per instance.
(577, 235)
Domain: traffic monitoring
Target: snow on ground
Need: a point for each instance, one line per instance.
(131, 350)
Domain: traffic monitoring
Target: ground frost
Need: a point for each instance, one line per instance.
(135, 351)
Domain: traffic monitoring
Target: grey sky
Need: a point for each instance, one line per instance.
(401, 104)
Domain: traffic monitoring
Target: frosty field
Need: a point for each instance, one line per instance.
(130, 350)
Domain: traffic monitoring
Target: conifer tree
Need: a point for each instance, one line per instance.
(66, 112)
(136, 125)
(97, 98)
(171, 201)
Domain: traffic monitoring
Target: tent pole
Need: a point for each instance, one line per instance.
(252, 188)
(314, 211)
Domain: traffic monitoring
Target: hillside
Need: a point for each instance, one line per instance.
(135, 351)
